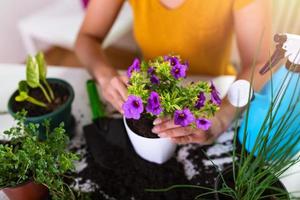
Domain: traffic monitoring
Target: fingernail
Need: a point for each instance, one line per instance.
(155, 129)
(162, 135)
(157, 121)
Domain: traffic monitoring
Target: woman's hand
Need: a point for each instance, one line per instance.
(182, 135)
(165, 127)
(114, 90)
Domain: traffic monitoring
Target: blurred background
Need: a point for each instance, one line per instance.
(29, 26)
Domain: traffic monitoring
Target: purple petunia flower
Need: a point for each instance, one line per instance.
(154, 79)
(172, 59)
(153, 104)
(136, 66)
(215, 98)
(201, 100)
(179, 71)
(133, 107)
(150, 70)
(183, 117)
(203, 124)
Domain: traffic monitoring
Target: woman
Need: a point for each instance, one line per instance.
(199, 31)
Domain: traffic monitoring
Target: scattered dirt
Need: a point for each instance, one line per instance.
(142, 127)
(61, 96)
(130, 176)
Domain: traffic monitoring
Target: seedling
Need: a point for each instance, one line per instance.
(23, 95)
(36, 72)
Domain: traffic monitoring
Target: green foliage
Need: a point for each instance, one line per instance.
(174, 93)
(46, 162)
(32, 72)
(43, 72)
(24, 96)
(36, 72)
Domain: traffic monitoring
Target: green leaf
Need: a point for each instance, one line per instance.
(41, 65)
(23, 96)
(23, 87)
(32, 72)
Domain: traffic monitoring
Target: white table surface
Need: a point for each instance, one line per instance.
(11, 74)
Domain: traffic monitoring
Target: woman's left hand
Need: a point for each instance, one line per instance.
(165, 127)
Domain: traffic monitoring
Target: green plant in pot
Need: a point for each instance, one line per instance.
(42, 97)
(156, 89)
(31, 168)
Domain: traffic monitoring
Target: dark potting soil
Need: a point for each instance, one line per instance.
(130, 177)
(142, 127)
(121, 174)
(61, 95)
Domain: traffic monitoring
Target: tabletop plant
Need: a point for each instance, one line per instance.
(156, 89)
(36, 73)
(26, 158)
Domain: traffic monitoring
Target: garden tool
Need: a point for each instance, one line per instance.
(105, 133)
(288, 45)
(282, 92)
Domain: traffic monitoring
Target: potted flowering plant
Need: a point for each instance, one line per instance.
(31, 168)
(42, 97)
(156, 89)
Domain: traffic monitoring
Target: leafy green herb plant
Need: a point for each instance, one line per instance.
(45, 162)
(36, 72)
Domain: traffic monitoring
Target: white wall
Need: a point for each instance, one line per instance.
(11, 11)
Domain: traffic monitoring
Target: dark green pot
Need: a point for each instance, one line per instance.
(61, 114)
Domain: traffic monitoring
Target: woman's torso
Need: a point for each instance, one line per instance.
(200, 31)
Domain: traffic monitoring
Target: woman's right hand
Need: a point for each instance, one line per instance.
(114, 90)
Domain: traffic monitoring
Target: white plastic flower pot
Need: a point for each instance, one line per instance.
(157, 150)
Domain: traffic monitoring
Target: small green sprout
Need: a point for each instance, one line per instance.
(43, 72)
(24, 96)
(36, 72)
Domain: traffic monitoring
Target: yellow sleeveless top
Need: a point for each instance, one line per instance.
(200, 31)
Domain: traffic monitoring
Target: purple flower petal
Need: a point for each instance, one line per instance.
(136, 66)
(154, 79)
(201, 100)
(179, 71)
(153, 104)
(150, 70)
(172, 59)
(203, 124)
(215, 98)
(133, 107)
(183, 117)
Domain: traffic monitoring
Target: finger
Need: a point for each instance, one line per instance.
(160, 120)
(176, 132)
(169, 124)
(183, 140)
(204, 139)
(124, 79)
(116, 100)
(120, 87)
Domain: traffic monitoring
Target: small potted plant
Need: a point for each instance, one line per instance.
(156, 89)
(31, 168)
(43, 98)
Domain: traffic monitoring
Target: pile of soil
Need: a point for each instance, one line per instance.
(119, 173)
(61, 95)
(142, 127)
